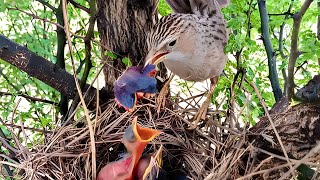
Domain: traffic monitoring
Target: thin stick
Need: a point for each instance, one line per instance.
(272, 125)
(91, 133)
(299, 162)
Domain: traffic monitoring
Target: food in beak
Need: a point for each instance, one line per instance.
(135, 79)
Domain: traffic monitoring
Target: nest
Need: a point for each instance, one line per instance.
(212, 151)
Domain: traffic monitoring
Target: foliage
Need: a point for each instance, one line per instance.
(245, 26)
(41, 38)
(163, 8)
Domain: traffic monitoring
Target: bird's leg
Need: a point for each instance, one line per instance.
(202, 112)
(161, 99)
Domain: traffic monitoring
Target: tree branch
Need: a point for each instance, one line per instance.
(77, 5)
(273, 75)
(318, 27)
(46, 71)
(294, 47)
(288, 14)
(29, 128)
(47, 5)
(45, 20)
(28, 97)
(281, 47)
(61, 42)
(88, 47)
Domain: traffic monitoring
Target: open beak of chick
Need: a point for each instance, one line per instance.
(135, 139)
(134, 83)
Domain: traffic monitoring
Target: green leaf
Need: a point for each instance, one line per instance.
(5, 131)
(111, 55)
(127, 62)
(163, 8)
(2, 6)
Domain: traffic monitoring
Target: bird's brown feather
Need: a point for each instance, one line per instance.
(210, 7)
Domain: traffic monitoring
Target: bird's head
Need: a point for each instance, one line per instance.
(170, 40)
(135, 139)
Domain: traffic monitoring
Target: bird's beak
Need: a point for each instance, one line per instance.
(143, 134)
(126, 167)
(143, 137)
(155, 59)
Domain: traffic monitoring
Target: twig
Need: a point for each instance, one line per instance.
(88, 47)
(288, 14)
(8, 81)
(14, 111)
(48, 5)
(77, 5)
(36, 17)
(294, 47)
(272, 125)
(28, 97)
(318, 27)
(7, 145)
(267, 170)
(92, 140)
(45, 20)
(29, 128)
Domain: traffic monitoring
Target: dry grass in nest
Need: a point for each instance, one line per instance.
(212, 151)
(66, 153)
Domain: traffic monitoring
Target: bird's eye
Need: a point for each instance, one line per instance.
(172, 43)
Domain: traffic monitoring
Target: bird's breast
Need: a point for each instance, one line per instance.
(195, 69)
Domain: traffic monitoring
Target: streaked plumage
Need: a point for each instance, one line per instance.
(191, 41)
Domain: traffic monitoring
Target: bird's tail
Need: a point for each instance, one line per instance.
(210, 7)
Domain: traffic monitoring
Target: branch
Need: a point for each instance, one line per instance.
(8, 81)
(47, 5)
(294, 47)
(281, 47)
(281, 14)
(273, 75)
(318, 27)
(77, 5)
(46, 71)
(88, 47)
(29, 128)
(45, 20)
(28, 97)
(288, 14)
(61, 42)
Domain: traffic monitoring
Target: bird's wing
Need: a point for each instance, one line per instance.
(180, 6)
(223, 3)
(210, 7)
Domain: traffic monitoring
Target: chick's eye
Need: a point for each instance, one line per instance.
(172, 43)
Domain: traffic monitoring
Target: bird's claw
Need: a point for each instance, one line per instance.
(200, 115)
(161, 99)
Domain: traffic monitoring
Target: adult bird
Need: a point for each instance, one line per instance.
(190, 42)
